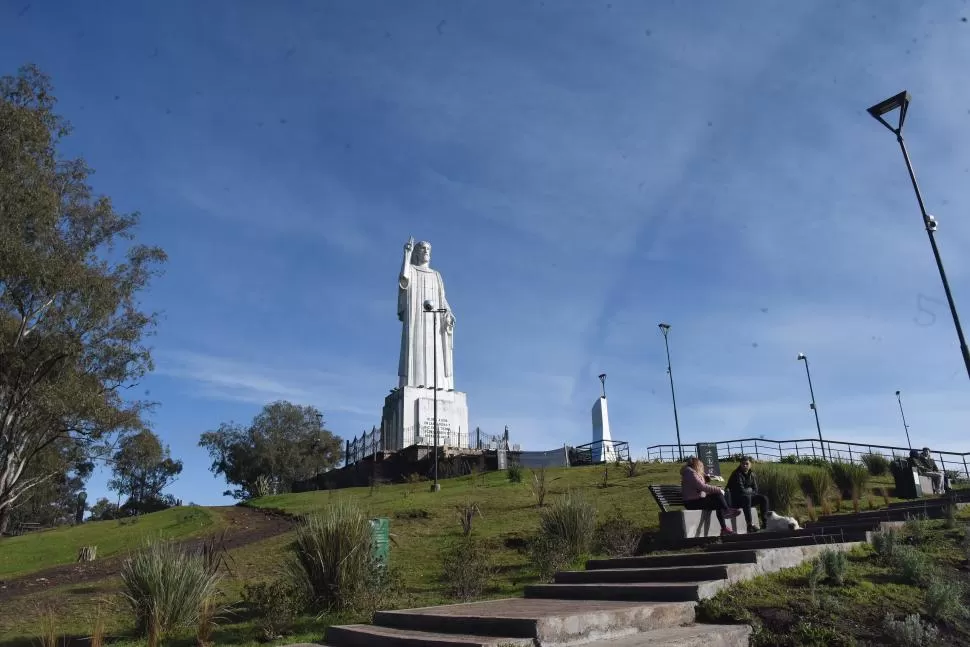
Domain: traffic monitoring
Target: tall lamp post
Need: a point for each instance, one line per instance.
(665, 329)
(801, 357)
(429, 309)
(905, 426)
(901, 102)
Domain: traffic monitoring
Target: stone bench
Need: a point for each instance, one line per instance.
(689, 524)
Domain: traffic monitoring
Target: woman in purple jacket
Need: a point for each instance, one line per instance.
(700, 495)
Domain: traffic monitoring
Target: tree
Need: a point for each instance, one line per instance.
(285, 443)
(142, 469)
(104, 510)
(71, 327)
(55, 500)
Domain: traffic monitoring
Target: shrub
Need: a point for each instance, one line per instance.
(548, 555)
(514, 472)
(877, 464)
(850, 478)
(467, 568)
(618, 536)
(944, 600)
(780, 486)
(810, 510)
(834, 563)
(539, 486)
(466, 515)
(886, 543)
(950, 516)
(632, 468)
(910, 632)
(818, 484)
(915, 567)
(275, 606)
(97, 635)
(571, 520)
(166, 587)
(917, 528)
(332, 561)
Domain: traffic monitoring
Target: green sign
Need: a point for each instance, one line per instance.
(381, 539)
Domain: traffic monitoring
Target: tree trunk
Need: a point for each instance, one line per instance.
(4, 519)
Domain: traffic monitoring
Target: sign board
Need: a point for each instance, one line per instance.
(707, 452)
(503, 463)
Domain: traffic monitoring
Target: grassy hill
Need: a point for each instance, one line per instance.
(422, 525)
(36, 551)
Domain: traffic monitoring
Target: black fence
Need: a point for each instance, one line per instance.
(600, 451)
(364, 446)
(763, 449)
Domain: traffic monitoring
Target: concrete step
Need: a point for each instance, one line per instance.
(674, 559)
(787, 542)
(656, 574)
(548, 621)
(692, 636)
(374, 636)
(896, 514)
(829, 527)
(816, 531)
(640, 591)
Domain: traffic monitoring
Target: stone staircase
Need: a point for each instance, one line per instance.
(626, 602)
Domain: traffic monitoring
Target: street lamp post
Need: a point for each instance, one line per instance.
(905, 426)
(801, 356)
(429, 309)
(901, 102)
(665, 329)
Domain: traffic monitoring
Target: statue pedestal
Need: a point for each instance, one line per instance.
(408, 418)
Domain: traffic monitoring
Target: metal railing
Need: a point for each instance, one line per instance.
(764, 449)
(598, 451)
(364, 446)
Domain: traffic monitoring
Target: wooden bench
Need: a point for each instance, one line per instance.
(681, 524)
(667, 496)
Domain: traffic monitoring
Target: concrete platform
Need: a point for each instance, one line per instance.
(551, 621)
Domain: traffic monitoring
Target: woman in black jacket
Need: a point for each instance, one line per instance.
(742, 486)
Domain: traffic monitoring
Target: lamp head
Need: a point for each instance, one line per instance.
(664, 326)
(602, 376)
(428, 306)
(801, 356)
(898, 102)
(897, 393)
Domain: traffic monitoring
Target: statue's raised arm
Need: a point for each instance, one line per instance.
(404, 279)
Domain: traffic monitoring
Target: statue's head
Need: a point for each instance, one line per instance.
(422, 253)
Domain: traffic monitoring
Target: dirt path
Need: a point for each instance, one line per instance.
(243, 526)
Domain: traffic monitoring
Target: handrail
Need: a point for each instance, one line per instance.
(766, 449)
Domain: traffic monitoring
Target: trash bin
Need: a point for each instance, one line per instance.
(906, 484)
(381, 539)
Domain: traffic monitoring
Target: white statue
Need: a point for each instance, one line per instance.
(419, 283)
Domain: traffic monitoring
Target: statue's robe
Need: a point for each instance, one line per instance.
(418, 337)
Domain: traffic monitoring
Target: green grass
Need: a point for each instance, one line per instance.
(422, 525)
(36, 551)
(784, 610)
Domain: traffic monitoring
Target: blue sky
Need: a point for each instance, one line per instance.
(583, 171)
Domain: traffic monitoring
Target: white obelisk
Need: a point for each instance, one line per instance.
(603, 450)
